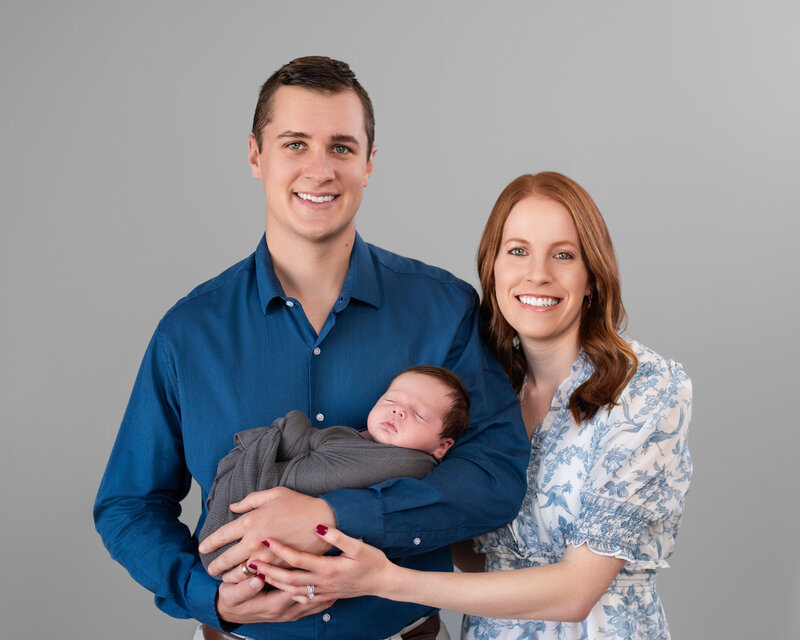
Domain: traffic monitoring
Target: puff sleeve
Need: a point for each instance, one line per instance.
(638, 476)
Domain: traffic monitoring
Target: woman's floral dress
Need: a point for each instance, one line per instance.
(617, 483)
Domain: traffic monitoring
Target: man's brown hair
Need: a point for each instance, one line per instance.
(317, 73)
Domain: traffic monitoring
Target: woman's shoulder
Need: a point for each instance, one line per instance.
(657, 374)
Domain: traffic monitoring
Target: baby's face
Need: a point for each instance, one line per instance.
(410, 414)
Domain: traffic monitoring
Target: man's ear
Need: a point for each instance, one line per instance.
(253, 156)
(370, 165)
(444, 447)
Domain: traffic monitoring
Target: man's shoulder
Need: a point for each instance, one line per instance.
(404, 268)
(212, 294)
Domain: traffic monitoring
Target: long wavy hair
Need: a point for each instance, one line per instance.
(603, 316)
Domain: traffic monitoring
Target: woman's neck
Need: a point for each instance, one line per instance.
(548, 363)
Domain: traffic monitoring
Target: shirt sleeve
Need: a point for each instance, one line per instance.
(138, 503)
(632, 504)
(478, 487)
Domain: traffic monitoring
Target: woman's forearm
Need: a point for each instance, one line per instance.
(564, 591)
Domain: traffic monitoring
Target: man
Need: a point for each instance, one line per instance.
(315, 320)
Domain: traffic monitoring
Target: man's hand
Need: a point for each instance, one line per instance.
(278, 513)
(245, 602)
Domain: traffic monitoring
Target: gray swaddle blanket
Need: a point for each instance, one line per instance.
(293, 454)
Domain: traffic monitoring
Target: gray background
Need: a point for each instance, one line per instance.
(125, 183)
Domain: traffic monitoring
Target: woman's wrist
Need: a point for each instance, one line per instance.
(395, 582)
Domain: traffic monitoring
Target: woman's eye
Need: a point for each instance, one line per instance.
(563, 255)
(517, 251)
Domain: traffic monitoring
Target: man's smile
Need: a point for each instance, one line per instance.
(318, 199)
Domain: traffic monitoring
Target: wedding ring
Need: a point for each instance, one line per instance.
(247, 570)
(310, 591)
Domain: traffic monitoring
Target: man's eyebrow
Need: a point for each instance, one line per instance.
(293, 134)
(341, 137)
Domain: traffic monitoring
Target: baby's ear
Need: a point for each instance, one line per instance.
(443, 448)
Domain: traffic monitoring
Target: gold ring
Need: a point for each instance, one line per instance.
(247, 570)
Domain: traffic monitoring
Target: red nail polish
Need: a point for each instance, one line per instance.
(322, 529)
(261, 576)
(265, 543)
(253, 567)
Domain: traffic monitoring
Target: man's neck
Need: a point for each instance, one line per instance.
(312, 272)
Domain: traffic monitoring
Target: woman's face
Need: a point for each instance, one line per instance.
(540, 276)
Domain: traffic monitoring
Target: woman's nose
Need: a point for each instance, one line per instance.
(539, 271)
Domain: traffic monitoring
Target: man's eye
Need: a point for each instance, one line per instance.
(341, 149)
(295, 146)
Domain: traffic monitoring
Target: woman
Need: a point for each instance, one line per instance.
(609, 464)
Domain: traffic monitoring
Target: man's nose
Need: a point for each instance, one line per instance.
(319, 166)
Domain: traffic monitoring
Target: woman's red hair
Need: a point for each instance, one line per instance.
(602, 318)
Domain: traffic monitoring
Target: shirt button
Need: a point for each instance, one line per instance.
(326, 617)
(317, 351)
(320, 417)
(417, 541)
(289, 303)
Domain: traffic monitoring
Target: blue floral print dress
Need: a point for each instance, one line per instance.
(616, 482)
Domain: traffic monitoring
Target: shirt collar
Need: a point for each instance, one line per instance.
(360, 283)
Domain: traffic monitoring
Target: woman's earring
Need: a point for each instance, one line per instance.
(589, 300)
(515, 342)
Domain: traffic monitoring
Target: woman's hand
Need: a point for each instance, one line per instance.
(360, 570)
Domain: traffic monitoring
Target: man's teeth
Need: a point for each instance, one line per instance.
(306, 196)
(533, 301)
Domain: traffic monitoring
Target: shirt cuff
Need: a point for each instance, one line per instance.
(610, 527)
(358, 514)
(201, 593)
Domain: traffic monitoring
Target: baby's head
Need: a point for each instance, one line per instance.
(424, 408)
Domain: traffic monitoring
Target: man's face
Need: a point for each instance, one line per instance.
(410, 414)
(314, 165)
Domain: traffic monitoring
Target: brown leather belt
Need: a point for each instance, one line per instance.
(428, 630)
(210, 633)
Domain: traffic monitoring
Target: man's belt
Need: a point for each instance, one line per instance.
(426, 631)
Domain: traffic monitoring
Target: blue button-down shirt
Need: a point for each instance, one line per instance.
(237, 353)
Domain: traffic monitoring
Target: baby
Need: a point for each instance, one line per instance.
(410, 428)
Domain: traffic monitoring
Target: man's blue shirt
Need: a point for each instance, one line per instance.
(236, 353)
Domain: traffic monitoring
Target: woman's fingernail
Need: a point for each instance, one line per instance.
(253, 567)
(265, 543)
(261, 576)
(322, 529)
